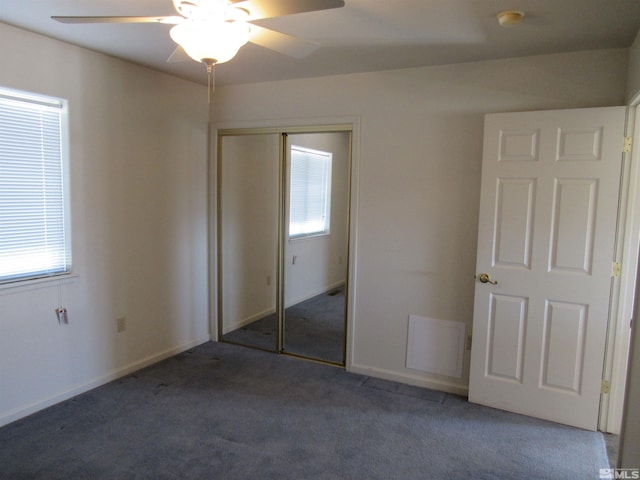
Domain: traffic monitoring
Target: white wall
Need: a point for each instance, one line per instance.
(419, 161)
(633, 79)
(139, 226)
(629, 454)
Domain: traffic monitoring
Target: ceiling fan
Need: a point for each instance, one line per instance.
(212, 31)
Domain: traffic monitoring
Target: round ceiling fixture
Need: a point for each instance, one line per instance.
(510, 18)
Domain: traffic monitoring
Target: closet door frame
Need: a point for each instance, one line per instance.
(215, 230)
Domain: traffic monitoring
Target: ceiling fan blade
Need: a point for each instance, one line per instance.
(268, 8)
(170, 20)
(179, 55)
(282, 43)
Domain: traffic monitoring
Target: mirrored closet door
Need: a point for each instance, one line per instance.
(283, 216)
(316, 244)
(248, 214)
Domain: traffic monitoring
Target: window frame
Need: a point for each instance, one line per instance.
(41, 275)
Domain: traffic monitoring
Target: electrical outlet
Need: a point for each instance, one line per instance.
(121, 324)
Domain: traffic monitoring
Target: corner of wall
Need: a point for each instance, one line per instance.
(633, 70)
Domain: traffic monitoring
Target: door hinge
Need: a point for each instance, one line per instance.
(606, 387)
(616, 269)
(469, 341)
(627, 145)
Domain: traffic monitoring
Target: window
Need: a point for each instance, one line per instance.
(34, 234)
(310, 192)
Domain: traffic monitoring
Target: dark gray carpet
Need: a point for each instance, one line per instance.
(220, 411)
(613, 443)
(313, 328)
(402, 389)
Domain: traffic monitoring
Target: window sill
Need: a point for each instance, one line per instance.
(313, 236)
(36, 283)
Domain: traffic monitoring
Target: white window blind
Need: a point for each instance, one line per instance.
(310, 192)
(33, 235)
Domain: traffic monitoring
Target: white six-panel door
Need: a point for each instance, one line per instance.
(548, 211)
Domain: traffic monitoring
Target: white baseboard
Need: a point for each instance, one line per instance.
(415, 380)
(23, 411)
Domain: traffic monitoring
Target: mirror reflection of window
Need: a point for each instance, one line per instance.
(310, 192)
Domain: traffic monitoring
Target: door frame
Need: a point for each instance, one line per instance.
(315, 125)
(623, 289)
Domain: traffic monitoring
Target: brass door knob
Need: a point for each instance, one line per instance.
(485, 278)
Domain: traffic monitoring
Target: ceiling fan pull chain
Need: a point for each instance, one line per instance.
(211, 81)
(209, 73)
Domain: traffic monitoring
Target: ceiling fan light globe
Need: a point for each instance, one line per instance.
(218, 41)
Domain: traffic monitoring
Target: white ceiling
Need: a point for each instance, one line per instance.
(365, 35)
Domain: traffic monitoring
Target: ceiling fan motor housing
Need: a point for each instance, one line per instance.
(201, 8)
